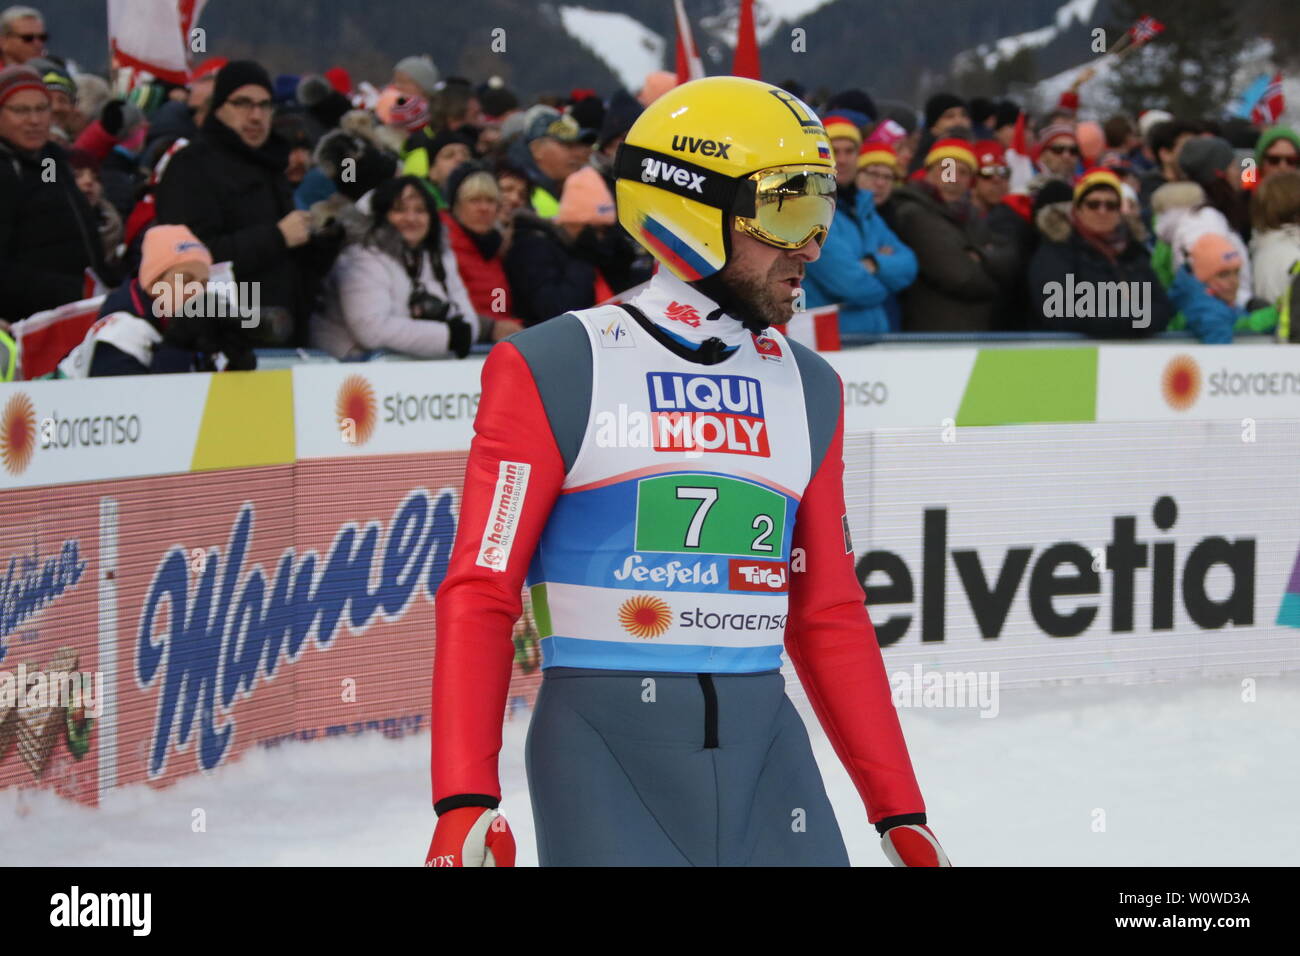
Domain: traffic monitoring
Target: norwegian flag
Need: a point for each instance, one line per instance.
(1146, 29)
(1271, 103)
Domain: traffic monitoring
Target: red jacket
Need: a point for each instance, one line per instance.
(482, 277)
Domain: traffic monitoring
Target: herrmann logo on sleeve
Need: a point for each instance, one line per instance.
(133, 910)
(507, 504)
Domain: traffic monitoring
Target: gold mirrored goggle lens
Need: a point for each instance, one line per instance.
(792, 205)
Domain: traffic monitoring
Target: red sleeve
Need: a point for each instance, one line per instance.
(833, 646)
(477, 605)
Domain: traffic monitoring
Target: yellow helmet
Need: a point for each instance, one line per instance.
(717, 147)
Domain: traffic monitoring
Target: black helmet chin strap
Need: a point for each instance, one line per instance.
(717, 289)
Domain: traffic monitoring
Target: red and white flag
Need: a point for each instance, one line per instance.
(689, 64)
(1271, 104)
(1018, 159)
(818, 328)
(154, 35)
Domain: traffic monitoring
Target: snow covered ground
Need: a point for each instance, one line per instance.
(1184, 773)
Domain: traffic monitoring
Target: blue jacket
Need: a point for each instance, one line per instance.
(1208, 317)
(867, 300)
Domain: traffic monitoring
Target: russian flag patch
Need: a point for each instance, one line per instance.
(823, 150)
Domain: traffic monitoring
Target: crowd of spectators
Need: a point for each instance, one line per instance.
(436, 213)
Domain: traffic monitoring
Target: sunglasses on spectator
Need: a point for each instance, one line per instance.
(244, 104)
(1062, 150)
(1278, 159)
(1110, 205)
(1002, 172)
(32, 37)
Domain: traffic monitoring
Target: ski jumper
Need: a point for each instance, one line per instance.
(652, 492)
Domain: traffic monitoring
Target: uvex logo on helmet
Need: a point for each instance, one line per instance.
(653, 170)
(705, 147)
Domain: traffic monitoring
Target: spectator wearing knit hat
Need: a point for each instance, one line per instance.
(1005, 114)
(1057, 151)
(946, 116)
(878, 171)
(48, 237)
(66, 122)
(1085, 249)
(416, 76)
(229, 187)
(1207, 291)
(954, 291)
(863, 265)
(573, 262)
(158, 320)
(1008, 237)
(440, 154)
(1278, 149)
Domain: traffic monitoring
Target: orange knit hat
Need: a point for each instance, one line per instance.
(656, 85)
(1211, 254)
(586, 200)
(166, 249)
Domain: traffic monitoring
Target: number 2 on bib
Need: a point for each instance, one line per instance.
(710, 514)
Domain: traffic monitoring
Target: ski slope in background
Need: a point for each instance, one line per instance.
(1186, 774)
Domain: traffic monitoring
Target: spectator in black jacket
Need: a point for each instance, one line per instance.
(575, 262)
(1092, 273)
(229, 187)
(48, 236)
(956, 288)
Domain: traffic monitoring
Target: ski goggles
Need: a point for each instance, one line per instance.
(786, 206)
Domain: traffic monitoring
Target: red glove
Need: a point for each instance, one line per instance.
(471, 836)
(913, 844)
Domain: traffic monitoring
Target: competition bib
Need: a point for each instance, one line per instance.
(669, 546)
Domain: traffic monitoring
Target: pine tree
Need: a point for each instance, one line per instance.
(1188, 68)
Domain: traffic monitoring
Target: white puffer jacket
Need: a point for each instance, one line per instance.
(1272, 254)
(366, 296)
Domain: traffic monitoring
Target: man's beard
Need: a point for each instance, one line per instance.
(749, 297)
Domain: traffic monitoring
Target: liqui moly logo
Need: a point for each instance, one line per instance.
(719, 413)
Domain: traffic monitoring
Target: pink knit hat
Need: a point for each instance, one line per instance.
(1211, 254)
(655, 86)
(586, 200)
(166, 249)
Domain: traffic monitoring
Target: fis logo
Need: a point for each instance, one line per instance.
(656, 170)
(616, 336)
(721, 413)
(705, 147)
(770, 576)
